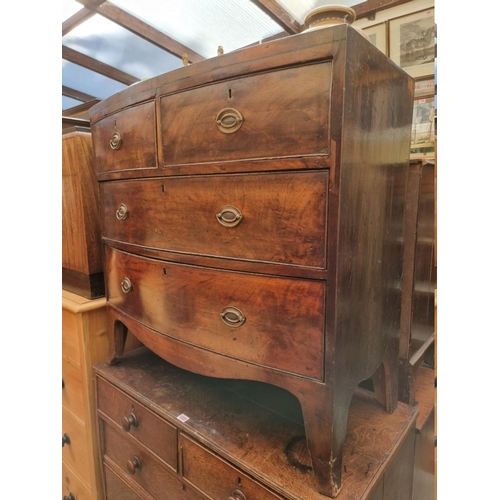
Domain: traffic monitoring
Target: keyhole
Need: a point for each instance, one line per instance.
(230, 93)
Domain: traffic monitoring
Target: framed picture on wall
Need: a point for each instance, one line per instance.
(422, 128)
(378, 36)
(411, 42)
(424, 87)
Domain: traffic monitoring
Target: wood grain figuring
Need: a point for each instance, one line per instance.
(285, 113)
(326, 109)
(136, 126)
(283, 328)
(283, 215)
(247, 426)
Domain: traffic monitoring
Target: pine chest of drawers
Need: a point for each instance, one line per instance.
(249, 220)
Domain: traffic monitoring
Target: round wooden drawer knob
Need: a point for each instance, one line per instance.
(129, 422)
(134, 465)
(65, 439)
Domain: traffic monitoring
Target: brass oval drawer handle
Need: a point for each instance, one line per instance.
(65, 440)
(232, 317)
(126, 285)
(122, 212)
(116, 141)
(229, 216)
(237, 495)
(134, 465)
(229, 120)
(129, 422)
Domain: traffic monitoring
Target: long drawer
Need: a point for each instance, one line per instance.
(154, 433)
(270, 321)
(275, 114)
(278, 217)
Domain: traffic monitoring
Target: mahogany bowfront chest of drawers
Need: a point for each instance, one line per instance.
(249, 220)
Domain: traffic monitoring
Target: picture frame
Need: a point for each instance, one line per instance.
(377, 35)
(411, 42)
(422, 128)
(425, 87)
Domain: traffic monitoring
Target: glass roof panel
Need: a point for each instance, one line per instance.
(70, 7)
(82, 79)
(300, 8)
(203, 26)
(111, 44)
(69, 102)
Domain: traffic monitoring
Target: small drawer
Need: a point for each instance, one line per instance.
(268, 321)
(75, 452)
(72, 389)
(216, 477)
(137, 421)
(267, 217)
(71, 338)
(72, 485)
(277, 114)
(126, 140)
(140, 466)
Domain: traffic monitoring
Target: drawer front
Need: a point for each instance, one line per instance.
(216, 477)
(71, 328)
(126, 140)
(269, 321)
(276, 114)
(260, 217)
(154, 433)
(116, 489)
(72, 485)
(148, 473)
(76, 453)
(72, 390)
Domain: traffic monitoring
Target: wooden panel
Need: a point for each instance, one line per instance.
(72, 484)
(156, 434)
(283, 326)
(283, 215)
(285, 113)
(136, 126)
(150, 475)
(215, 477)
(81, 244)
(76, 453)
